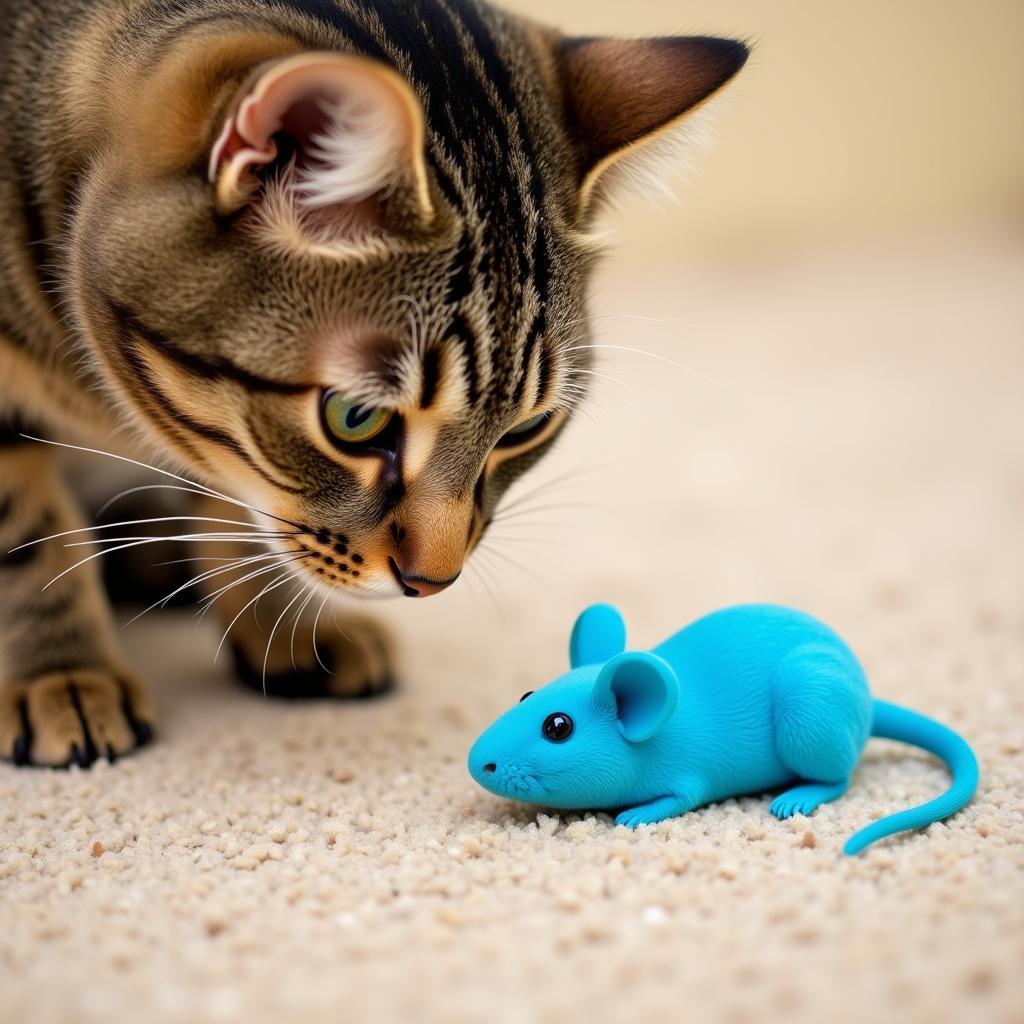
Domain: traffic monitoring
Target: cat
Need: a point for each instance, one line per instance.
(325, 262)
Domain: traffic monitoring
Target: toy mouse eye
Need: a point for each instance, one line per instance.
(557, 727)
(529, 693)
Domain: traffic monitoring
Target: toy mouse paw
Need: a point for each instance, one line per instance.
(634, 817)
(805, 799)
(650, 814)
(783, 807)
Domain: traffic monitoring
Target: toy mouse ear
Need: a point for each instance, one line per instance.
(644, 690)
(599, 634)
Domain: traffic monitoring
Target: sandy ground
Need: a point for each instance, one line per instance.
(847, 436)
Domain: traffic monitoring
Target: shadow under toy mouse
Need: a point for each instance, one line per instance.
(747, 699)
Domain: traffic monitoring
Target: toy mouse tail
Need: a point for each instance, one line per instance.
(891, 722)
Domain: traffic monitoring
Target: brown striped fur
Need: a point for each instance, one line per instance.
(149, 309)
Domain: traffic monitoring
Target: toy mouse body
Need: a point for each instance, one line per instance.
(749, 698)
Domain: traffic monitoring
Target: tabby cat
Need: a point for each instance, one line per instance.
(326, 259)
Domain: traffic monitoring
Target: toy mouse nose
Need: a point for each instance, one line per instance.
(414, 585)
(490, 767)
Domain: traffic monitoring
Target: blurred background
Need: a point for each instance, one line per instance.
(849, 118)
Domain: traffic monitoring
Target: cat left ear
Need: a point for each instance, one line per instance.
(627, 102)
(350, 127)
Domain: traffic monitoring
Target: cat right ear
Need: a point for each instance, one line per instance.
(344, 131)
(628, 105)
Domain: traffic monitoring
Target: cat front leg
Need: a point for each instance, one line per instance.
(65, 697)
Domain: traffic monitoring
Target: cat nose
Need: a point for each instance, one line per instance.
(414, 585)
(422, 586)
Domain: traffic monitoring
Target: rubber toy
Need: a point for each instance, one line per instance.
(747, 699)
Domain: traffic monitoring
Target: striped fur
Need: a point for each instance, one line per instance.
(200, 322)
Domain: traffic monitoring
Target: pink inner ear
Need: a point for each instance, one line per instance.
(282, 101)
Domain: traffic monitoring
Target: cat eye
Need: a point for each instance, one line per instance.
(524, 431)
(557, 727)
(351, 422)
(529, 693)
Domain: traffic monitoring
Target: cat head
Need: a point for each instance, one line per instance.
(336, 263)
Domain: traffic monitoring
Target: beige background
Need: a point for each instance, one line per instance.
(850, 117)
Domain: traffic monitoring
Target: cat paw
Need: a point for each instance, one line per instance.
(361, 660)
(73, 717)
(350, 661)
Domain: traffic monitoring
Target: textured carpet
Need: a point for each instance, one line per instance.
(847, 436)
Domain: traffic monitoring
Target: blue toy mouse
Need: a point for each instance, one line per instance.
(750, 698)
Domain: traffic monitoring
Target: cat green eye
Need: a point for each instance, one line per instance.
(350, 422)
(522, 432)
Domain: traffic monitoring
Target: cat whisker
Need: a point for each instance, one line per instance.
(417, 322)
(316, 623)
(127, 543)
(263, 570)
(604, 376)
(273, 632)
(208, 491)
(555, 507)
(513, 514)
(310, 593)
(504, 538)
(278, 581)
(134, 522)
(196, 558)
(186, 490)
(620, 316)
(566, 344)
(479, 565)
(639, 352)
(138, 542)
(490, 550)
(552, 486)
(575, 398)
(471, 584)
(147, 487)
(547, 486)
(179, 538)
(578, 408)
(235, 563)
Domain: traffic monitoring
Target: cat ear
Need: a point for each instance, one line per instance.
(350, 128)
(644, 689)
(627, 101)
(599, 634)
